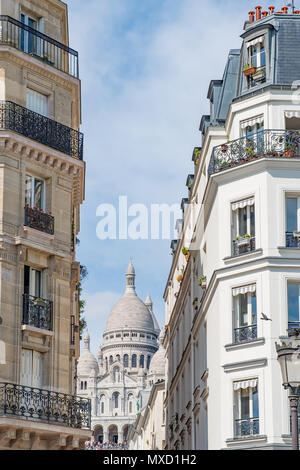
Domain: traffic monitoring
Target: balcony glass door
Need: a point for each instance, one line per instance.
(34, 192)
(28, 42)
(31, 368)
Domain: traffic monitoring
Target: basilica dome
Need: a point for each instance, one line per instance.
(87, 362)
(130, 312)
(157, 364)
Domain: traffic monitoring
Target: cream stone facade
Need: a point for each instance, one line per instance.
(41, 189)
(119, 383)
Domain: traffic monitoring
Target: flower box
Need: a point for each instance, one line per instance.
(249, 71)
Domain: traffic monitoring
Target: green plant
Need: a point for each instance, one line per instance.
(81, 303)
(202, 280)
(247, 235)
(185, 251)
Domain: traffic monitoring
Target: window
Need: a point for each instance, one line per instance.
(34, 192)
(246, 409)
(253, 130)
(293, 290)
(130, 403)
(133, 360)
(116, 375)
(292, 209)
(111, 360)
(33, 284)
(142, 360)
(256, 59)
(243, 226)
(102, 404)
(37, 102)
(28, 40)
(148, 361)
(115, 399)
(245, 314)
(31, 368)
(126, 360)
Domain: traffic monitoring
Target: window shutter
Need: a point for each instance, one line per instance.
(37, 369)
(26, 367)
(37, 102)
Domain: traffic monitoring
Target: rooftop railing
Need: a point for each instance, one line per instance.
(35, 404)
(38, 45)
(267, 143)
(40, 128)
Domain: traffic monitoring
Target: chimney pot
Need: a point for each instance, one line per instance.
(251, 16)
(296, 12)
(271, 10)
(264, 14)
(285, 10)
(258, 13)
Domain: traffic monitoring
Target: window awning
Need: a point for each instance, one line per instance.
(256, 41)
(252, 383)
(251, 122)
(243, 289)
(292, 114)
(242, 204)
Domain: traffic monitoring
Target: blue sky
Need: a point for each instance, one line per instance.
(145, 67)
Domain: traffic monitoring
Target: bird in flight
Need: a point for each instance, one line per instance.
(264, 317)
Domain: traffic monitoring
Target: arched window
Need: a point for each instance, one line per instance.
(148, 361)
(118, 357)
(116, 374)
(142, 360)
(115, 400)
(81, 385)
(111, 359)
(130, 403)
(102, 404)
(125, 360)
(85, 385)
(106, 363)
(133, 360)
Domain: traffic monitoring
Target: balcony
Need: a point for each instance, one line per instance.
(264, 144)
(242, 246)
(16, 118)
(35, 404)
(245, 334)
(246, 427)
(37, 312)
(47, 50)
(34, 218)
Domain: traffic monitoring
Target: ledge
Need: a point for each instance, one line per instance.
(246, 344)
(37, 331)
(250, 254)
(252, 364)
(204, 375)
(239, 440)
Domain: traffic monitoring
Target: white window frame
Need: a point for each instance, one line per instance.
(293, 196)
(43, 107)
(298, 284)
(33, 178)
(237, 313)
(236, 222)
(238, 410)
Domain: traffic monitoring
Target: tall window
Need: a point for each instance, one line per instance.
(111, 360)
(246, 409)
(28, 40)
(245, 314)
(293, 305)
(115, 399)
(102, 404)
(126, 360)
(243, 226)
(256, 57)
(133, 360)
(130, 403)
(148, 361)
(292, 209)
(33, 284)
(116, 375)
(31, 368)
(142, 361)
(34, 192)
(37, 102)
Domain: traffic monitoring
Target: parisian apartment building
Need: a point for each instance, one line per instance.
(234, 285)
(41, 190)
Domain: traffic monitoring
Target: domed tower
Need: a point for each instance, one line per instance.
(87, 366)
(157, 364)
(131, 332)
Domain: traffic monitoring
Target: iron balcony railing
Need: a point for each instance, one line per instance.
(24, 38)
(291, 241)
(37, 312)
(73, 331)
(42, 405)
(18, 119)
(294, 325)
(245, 333)
(246, 427)
(267, 143)
(243, 245)
(35, 218)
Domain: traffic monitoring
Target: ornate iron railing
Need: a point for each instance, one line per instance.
(73, 330)
(244, 245)
(37, 312)
(42, 405)
(294, 325)
(38, 220)
(245, 333)
(246, 427)
(20, 36)
(18, 119)
(291, 241)
(267, 143)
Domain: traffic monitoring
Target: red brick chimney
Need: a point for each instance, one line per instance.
(271, 10)
(285, 10)
(251, 16)
(258, 13)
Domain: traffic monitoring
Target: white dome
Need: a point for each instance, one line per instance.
(87, 362)
(130, 312)
(157, 364)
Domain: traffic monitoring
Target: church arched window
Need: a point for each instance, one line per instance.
(102, 404)
(115, 400)
(118, 357)
(133, 360)
(130, 403)
(142, 360)
(116, 375)
(148, 361)
(125, 360)
(111, 359)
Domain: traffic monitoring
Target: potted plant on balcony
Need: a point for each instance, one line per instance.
(39, 302)
(202, 282)
(224, 147)
(249, 70)
(259, 74)
(186, 252)
(179, 278)
(244, 240)
(289, 151)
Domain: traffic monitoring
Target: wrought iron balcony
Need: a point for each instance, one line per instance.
(18, 119)
(74, 330)
(242, 246)
(42, 47)
(246, 427)
(268, 143)
(291, 241)
(37, 312)
(38, 220)
(35, 404)
(245, 334)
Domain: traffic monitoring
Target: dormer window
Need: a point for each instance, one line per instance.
(255, 62)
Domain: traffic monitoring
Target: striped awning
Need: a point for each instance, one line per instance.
(243, 289)
(256, 41)
(242, 204)
(252, 383)
(292, 114)
(251, 122)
